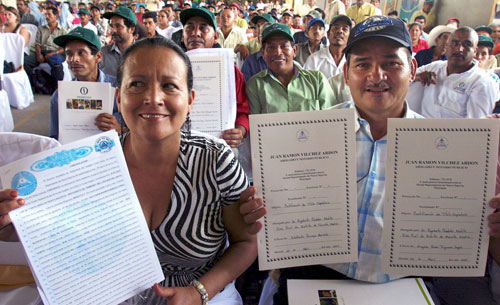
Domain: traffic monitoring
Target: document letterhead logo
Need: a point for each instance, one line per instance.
(84, 90)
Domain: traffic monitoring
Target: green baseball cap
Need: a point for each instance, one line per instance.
(277, 29)
(485, 41)
(79, 33)
(198, 12)
(484, 28)
(123, 12)
(83, 11)
(266, 17)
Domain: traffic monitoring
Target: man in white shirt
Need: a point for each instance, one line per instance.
(330, 61)
(85, 20)
(230, 35)
(456, 88)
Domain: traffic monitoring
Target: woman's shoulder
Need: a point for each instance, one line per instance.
(203, 141)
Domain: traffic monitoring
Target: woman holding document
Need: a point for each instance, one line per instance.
(188, 183)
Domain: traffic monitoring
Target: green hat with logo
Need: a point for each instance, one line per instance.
(198, 12)
(485, 41)
(79, 33)
(83, 11)
(266, 17)
(123, 12)
(277, 29)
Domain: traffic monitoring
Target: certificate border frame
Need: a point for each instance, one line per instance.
(221, 119)
(394, 197)
(260, 127)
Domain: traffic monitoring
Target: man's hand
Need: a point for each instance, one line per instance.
(40, 58)
(494, 218)
(252, 209)
(179, 295)
(426, 78)
(106, 121)
(48, 55)
(234, 136)
(243, 50)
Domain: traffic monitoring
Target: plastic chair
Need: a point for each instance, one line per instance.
(32, 29)
(17, 83)
(14, 146)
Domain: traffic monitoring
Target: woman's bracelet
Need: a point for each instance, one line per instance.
(201, 289)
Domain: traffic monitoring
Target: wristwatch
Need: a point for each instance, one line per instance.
(201, 289)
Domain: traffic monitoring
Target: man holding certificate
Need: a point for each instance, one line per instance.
(83, 53)
(378, 70)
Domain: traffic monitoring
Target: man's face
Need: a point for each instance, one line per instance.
(81, 61)
(20, 6)
(84, 19)
(162, 18)
(96, 13)
(316, 32)
(150, 26)
(235, 10)
(119, 31)
(495, 35)
(142, 9)
(50, 16)
(461, 49)
(339, 33)
(278, 54)
(422, 22)
(306, 20)
(378, 75)
(296, 21)
(178, 15)
(360, 2)
(227, 18)
(286, 19)
(482, 55)
(170, 13)
(442, 40)
(81, 5)
(427, 7)
(312, 3)
(198, 33)
(376, 3)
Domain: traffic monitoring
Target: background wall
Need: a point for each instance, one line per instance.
(470, 13)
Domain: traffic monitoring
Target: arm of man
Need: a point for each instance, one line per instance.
(234, 136)
(39, 56)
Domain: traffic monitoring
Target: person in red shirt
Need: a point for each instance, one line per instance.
(418, 43)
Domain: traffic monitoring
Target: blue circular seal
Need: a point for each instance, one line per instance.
(24, 182)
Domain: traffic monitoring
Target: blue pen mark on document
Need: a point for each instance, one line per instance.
(104, 144)
(24, 182)
(61, 158)
(95, 240)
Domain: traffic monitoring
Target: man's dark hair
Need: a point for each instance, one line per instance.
(169, 5)
(164, 11)
(421, 17)
(140, 31)
(393, 13)
(156, 42)
(128, 23)
(53, 9)
(322, 12)
(151, 15)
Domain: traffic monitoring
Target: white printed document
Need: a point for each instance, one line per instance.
(440, 177)
(82, 226)
(409, 291)
(78, 106)
(304, 169)
(214, 107)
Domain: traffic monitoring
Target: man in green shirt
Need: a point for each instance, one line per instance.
(284, 86)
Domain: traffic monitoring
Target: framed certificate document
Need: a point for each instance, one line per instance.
(304, 169)
(440, 177)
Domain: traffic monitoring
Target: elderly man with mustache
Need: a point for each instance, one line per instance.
(457, 87)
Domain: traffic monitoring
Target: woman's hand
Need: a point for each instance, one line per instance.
(8, 202)
(252, 209)
(179, 295)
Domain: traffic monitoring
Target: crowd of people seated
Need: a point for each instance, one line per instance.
(286, 59)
